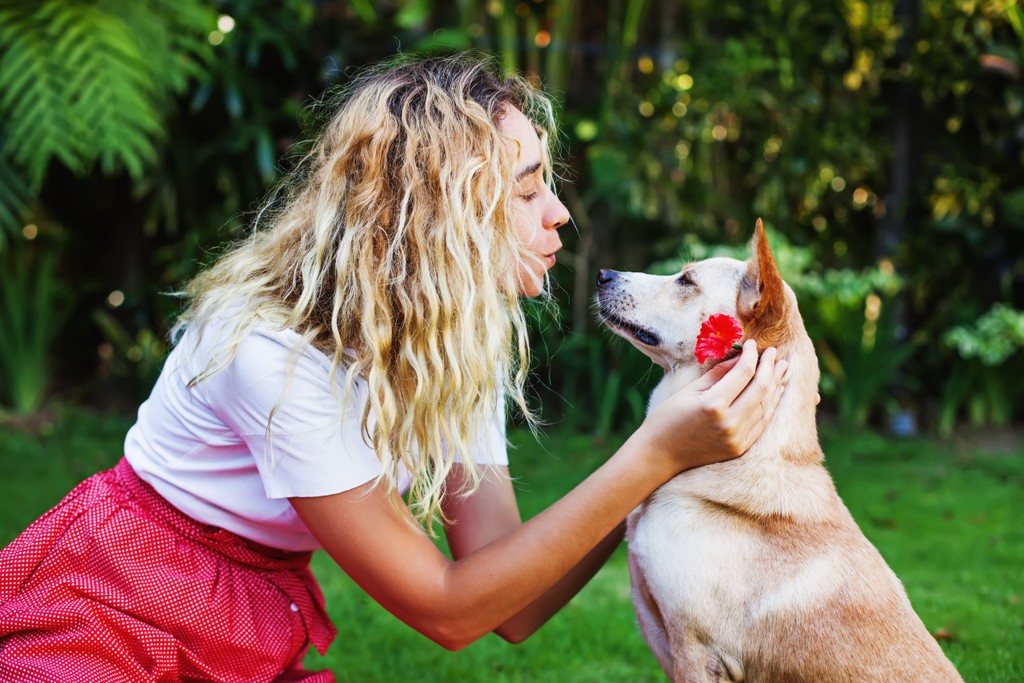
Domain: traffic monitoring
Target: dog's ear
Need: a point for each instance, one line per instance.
(761, 302)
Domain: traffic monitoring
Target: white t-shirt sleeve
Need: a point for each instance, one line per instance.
(313, 447)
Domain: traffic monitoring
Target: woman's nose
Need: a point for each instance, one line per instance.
(558, 215)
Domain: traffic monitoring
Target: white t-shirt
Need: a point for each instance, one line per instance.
(207, 452)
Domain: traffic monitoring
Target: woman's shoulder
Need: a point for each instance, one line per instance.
(249, 332)
(263, 368)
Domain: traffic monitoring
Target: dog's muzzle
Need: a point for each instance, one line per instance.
(610, 301)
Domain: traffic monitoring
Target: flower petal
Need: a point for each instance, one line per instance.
(717, 335)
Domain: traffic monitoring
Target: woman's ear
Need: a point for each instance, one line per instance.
(761, 301)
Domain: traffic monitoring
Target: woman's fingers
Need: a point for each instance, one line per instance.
(761, 387)
(736, 379)
(756, 420)
(712, 376)
(756, 403)
(724, 411)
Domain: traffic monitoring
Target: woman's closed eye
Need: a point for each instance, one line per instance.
(528, 180)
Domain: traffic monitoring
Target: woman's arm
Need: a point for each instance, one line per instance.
(492, 512)
(372, 536)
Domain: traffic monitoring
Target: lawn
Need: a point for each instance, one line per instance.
(942, 514)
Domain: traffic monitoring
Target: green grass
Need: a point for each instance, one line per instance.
(941, 513)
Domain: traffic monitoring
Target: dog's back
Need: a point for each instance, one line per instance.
(753, 570)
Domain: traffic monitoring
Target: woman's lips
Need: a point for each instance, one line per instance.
(551, 257)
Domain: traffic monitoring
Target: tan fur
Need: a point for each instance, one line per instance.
(762, 304)
(753, 570)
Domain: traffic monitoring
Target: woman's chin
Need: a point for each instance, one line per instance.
(529, 293)
(531, 286)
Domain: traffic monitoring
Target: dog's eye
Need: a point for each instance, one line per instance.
(685, 280)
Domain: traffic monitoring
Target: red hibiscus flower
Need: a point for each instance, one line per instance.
(718, 335)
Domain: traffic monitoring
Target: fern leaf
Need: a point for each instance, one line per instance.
(89, 83)
(15, 197)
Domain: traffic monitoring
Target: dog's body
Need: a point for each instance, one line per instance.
(753, 569)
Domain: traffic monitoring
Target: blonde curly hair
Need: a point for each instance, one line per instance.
(393, 249)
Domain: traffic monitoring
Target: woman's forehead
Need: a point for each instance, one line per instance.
(515, 124)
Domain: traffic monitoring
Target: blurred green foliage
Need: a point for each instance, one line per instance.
(986, 382)
(882, 141)
(993, 338)
(33, 308)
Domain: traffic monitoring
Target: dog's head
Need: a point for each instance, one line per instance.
(662, 315)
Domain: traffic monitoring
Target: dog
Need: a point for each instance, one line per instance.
(753, 569)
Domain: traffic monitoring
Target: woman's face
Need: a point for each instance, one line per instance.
(539, 212)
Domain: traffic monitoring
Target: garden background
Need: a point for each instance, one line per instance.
(881, 142)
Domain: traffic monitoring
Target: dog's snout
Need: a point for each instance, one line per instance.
(604, 276)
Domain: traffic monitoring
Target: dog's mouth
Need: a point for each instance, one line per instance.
(626, 328)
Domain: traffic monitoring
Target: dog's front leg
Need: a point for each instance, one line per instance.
(695, 662)
(649, 617)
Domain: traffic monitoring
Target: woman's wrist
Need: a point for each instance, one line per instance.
(662, 462)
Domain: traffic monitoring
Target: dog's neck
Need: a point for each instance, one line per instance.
(771, 479)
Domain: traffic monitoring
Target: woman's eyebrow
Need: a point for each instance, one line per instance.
(529, 170)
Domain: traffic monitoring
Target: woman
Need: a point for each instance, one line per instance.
(360, 346)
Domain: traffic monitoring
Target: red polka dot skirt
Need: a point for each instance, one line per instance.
(116, 585)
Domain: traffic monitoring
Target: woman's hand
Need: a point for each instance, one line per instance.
(720, 415)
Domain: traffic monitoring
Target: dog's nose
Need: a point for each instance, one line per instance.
(604, 276)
